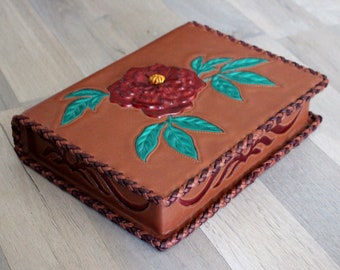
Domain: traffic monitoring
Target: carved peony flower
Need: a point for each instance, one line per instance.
(157, 90)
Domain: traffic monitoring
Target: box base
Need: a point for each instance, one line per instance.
(314, 121)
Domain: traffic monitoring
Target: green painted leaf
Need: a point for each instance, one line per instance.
(216, 61)
(94, 101)
(246, 77)
(199, 67)
(86, 93)
(243, 63)
(180, 141)
(196, 64)
(225, 87)
(87, 98)
(148, 140)
(75, 109)
(195, 123)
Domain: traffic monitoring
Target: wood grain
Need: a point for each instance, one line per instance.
(297, 184)
(256, 232)
(327, 14)
(327, 137)
(276, 18)
(7, 96)
(3, 261)
(119, 242)
(26, 44)
(288, 219)
(96, 34)
(315, 50)
(238, 24)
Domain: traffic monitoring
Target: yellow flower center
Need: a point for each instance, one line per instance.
(157, 79)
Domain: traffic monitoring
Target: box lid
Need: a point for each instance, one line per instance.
(161, 134)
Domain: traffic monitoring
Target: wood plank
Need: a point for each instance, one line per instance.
(306, 183)
(3, 261)
(5, 122)
(225, 17)
(276, 18)
(327, 11)
(152, 19)
(327, 103)
(195, 252)
(98, 33)
(255, 231)
(32, 60)
(318, 48)
(7, 96)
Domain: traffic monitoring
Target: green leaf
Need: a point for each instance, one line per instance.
(199, 67)
(87, 98)
(195, 123)
(243, 63)
(148, 140)
(75, 109)
(245, 77)
(86, 93)
(196, 64)
(94, 101)
(226, 87)
(180, 141)
(211, 64)
(215, 61)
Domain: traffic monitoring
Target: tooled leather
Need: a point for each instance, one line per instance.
(205, 173)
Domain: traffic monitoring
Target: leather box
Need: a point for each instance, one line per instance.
(162, 139)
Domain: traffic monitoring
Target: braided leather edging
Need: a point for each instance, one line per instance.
(198, 221)
(242, 145)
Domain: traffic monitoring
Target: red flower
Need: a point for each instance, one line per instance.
(157, 90)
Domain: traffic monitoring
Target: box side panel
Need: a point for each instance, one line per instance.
(237, 166)
(163, 242)
(68, 164)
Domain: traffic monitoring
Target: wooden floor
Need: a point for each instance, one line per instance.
(288, 219)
